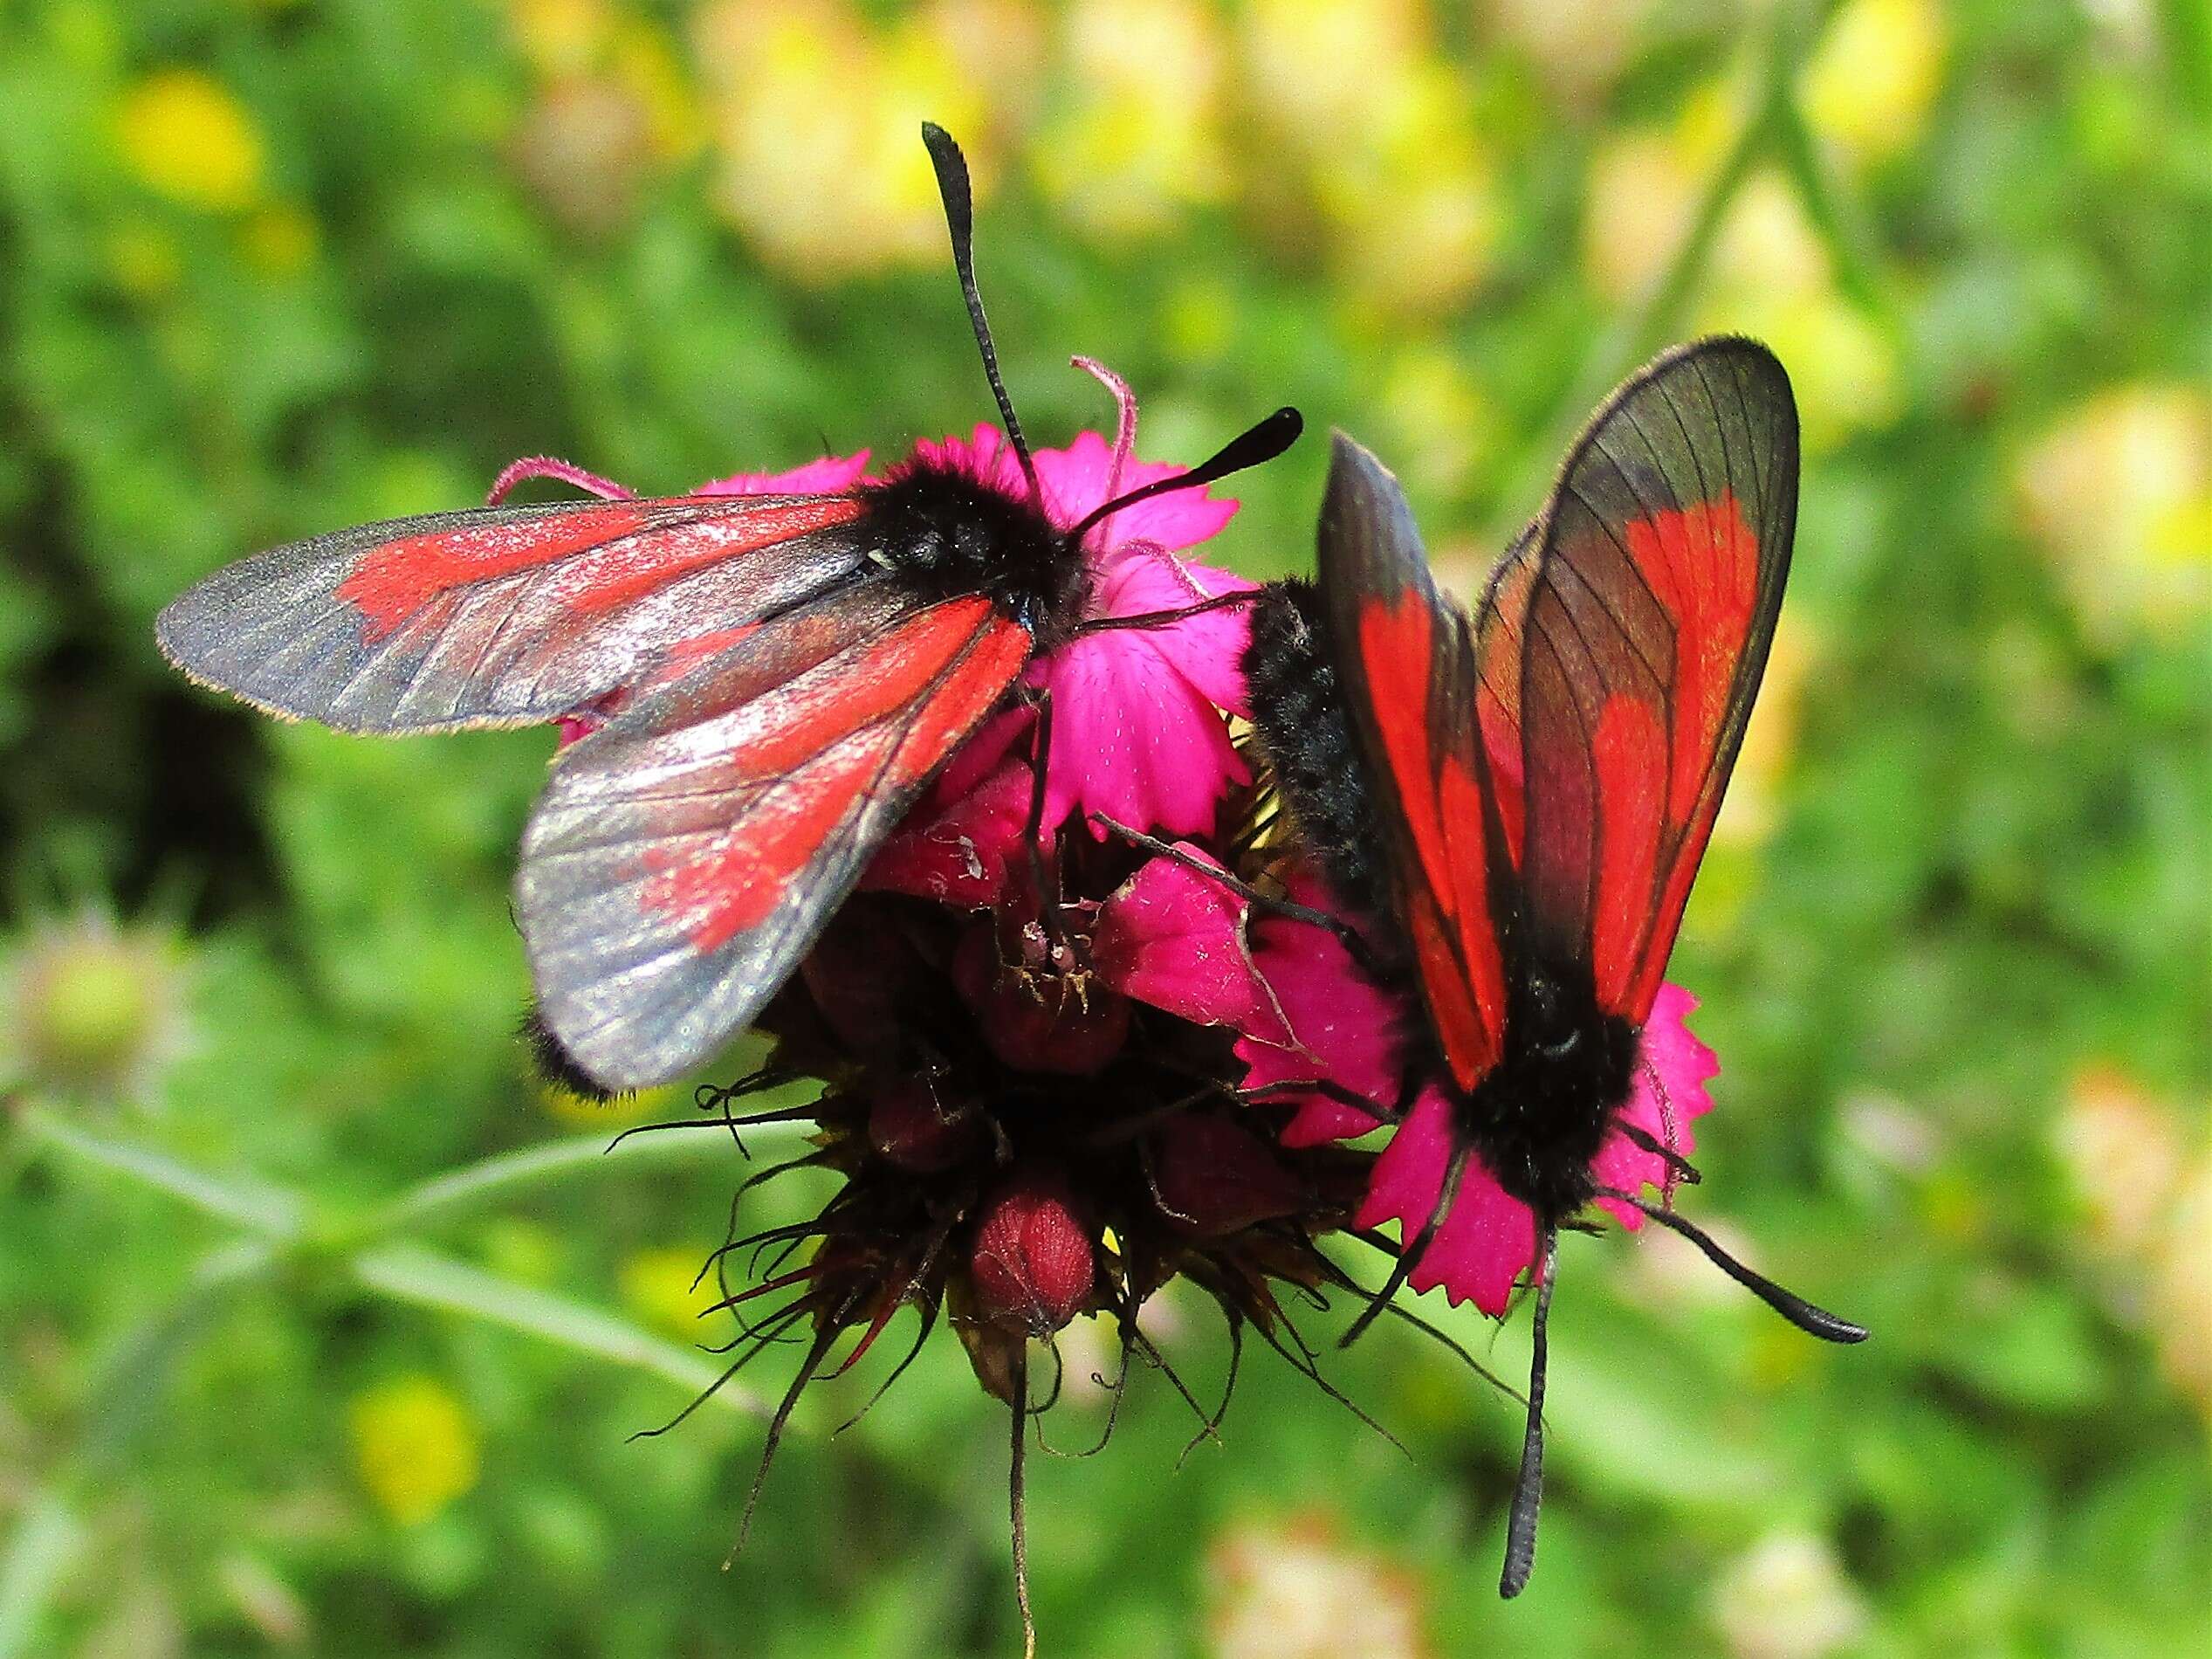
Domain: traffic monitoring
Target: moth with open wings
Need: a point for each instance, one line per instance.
(764, 684)
(1545, 775)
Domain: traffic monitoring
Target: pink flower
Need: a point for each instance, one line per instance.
(828, 476)
(1489, 1238)
(1137, 730)
(1174, 938)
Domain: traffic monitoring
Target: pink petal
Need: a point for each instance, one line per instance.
(828, 476)
(1174, 938)
(985, 455)
(1487, 1241)
(1672, 1069)
(1208, 650)
(1342, 1024)
(1132, 738)
(958, 852)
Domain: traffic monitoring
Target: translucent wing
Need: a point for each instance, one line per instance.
(683, 859)
(1659, 566)
(1408, 662)
(500, 616)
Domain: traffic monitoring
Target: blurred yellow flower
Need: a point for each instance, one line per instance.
(2122, 1148)
(644, 62)
(1787, 1598)
(1641, 194)
(416, 1447)
(2120, 492)
(279, 241)
(1642, 189)
(662, 1287)
(1415, 210)
(182, 135)
(1766, 242)
(2182, 1288)
(1140, 138)
(1294, 1590)
(816, 117)
(1319, 69)
(1869, 88)
(1404, 188)
(1580, 46)
(559, 37)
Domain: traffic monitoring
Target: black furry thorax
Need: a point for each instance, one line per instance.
(1544, 1109)
(1299, 715)
(943, 531)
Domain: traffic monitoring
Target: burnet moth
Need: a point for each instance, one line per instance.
(766, 683)
(1516, 802)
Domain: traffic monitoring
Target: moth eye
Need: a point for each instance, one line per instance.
(1560, 1047)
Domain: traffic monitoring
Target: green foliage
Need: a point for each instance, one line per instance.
(1952, 951)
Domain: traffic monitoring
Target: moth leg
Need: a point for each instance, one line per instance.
(1347, 935)
(547, 466)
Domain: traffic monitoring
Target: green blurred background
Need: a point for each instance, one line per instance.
(297, 1356)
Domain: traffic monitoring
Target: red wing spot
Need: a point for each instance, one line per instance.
(969, 692)
(1630, 757)
(685, 655)
(1703, 564)
(613, 575)
(1466, 1041)
(822, 756)
(810, 714)
(619, 553)
(395, 580)
(736, 881)
(1394, 650)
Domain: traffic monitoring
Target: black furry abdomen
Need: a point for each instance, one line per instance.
(944, 532)
(1298, 713)
(1541, 1115)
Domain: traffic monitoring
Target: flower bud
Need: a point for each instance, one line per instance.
(1213, 1178)
(909, 1126)
(1038, 1021)
(95, 1007)
(1033, 1260)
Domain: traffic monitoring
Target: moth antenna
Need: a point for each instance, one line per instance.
(959, 195)
(1258, 443)
(1813, 1321)
(1529, 1485)
(1678, 1167)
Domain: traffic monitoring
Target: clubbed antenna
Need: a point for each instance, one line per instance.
(953, 186)
(1529, 1485)
(1258, 443)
